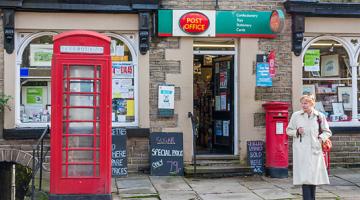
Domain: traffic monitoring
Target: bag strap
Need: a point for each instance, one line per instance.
(319, 123)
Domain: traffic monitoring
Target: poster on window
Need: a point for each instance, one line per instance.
(166, 97)
(123, 69)
(223, 79)
(40, 55)
(312, 60)
(226, 125)
(223, 101)
(34, 95)
(123, 88)
(218, 128)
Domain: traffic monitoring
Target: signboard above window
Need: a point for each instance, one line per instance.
(222, 23)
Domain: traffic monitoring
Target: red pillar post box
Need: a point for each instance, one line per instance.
(276, 139)
(81, 117)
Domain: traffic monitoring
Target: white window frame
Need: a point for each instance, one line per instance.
(23, 39)
(353, 52)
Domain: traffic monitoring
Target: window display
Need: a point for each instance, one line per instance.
(35, 83)
(123, 84)
(327, 75)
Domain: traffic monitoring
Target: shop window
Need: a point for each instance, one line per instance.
(123, 83)
(35, 87)
(328, 75)
(35, 73)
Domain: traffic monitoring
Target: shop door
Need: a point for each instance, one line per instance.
(223, 112)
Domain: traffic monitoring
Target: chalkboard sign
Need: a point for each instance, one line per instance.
(255, 151)
(166, 154)
(119, 154)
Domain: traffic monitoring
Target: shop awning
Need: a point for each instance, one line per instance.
(102, 6)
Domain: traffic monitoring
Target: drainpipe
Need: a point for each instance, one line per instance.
(216, 5)
(13, 184)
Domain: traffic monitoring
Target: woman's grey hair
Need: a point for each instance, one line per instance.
(309, 98)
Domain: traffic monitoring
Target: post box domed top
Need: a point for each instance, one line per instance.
(276, 105)
(81, 33)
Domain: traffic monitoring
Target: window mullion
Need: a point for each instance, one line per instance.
(354, 93)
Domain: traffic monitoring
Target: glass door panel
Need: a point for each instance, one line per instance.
(81, 103)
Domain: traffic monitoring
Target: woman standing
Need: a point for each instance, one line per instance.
(309, 167)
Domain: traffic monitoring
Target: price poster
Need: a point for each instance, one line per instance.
(123, 69)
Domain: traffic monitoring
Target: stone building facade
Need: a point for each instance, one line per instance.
(170, 60)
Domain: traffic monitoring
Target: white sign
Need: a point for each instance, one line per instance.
(81, 49)
(210, 32)
(166, 97)
(226, 125)
(279, 128)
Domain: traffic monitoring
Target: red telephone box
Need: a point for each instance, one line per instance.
(81, 117)
(277, 159)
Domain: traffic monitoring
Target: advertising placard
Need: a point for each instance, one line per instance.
(263, 78)
(312, 60)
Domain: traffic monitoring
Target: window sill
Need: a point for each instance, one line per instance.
(30, 133)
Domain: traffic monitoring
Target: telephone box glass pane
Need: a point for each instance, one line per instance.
(80, 156)
(98, 71)
(80, 170)
(81, 86)
(81, 114)
(79, 141)
(81, 128)
(83, 100)
(81, 71)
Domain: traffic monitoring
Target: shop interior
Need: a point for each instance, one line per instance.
(212, 78)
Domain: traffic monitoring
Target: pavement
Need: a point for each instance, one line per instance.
(344, 185)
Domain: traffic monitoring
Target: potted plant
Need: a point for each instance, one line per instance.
(4, 100)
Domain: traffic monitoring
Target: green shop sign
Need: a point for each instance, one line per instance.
(260, 24)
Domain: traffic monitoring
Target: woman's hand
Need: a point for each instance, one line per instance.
(301, 131)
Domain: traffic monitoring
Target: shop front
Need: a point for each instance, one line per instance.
(30, 27)
(326, 64)
(219, 82)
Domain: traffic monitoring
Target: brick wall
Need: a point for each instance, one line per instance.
(159, 68)
(138, 154)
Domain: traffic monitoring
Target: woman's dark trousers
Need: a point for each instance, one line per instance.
(309, 192)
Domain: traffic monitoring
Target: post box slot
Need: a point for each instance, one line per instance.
(280, 117)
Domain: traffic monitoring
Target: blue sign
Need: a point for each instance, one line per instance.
(263, 78)
(24, 72)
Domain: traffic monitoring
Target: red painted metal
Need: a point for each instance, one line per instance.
(79, 167)
(276, 143)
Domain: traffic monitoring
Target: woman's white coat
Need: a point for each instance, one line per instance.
(308, 160)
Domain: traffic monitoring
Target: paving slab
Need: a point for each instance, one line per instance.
(273, 194)
(162, 183)
(134, 196)
(343, 191)
(337, 181)
(353, 178)
(223, 185)
(230, 196)
(135, 185)
(179, 195)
